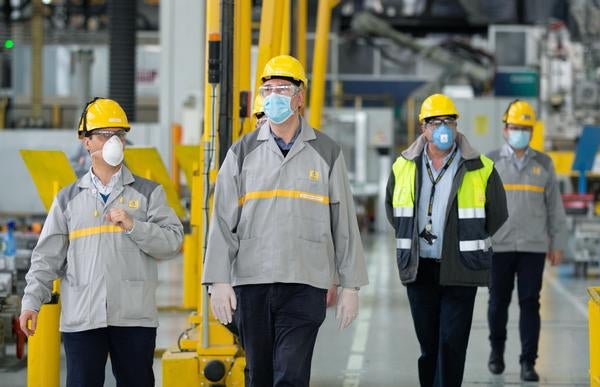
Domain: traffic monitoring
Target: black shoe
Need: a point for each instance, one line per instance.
(496, 362)
(528, 373)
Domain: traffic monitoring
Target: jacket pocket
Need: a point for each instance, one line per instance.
(75, 305)
(315, 260)
(476, 260)
(138, 300)
(312, 200)
(249, 258)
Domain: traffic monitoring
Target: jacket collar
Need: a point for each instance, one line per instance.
(127, 178)
(306, 132)
(507, 151)
(417, 147)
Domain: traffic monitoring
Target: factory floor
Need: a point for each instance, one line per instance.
(381, 349)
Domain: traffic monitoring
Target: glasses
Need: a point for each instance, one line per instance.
(106, 134)
(520, 128)
(439, 121)
(287, 90)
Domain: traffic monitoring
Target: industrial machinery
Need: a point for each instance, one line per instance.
(12, 284)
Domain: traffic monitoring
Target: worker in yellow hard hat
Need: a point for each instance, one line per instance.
(103, 237)
(257, 111)
(535, 231)
(445, 200)
(273, 252)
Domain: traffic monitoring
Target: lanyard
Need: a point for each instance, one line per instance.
(434, 182)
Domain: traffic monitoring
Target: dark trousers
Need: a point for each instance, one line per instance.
(278, 325)
(442, 317)
(131, 352)
(528, 268)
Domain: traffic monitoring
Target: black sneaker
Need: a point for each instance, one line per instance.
(528, 373)
(496, 362)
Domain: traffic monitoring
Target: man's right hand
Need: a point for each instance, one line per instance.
(223, 302)
(27, 315)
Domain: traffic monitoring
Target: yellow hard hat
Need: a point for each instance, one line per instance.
(102, 113)
(284, 66)
(437, 105)
(519, 113)
(257, 107)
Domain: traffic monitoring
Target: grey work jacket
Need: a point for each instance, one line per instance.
(284, 219)
(108, 277)
(452, 270)
(536, 221)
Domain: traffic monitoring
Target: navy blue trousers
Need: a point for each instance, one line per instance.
(442, 317)
(278, 325)
(528, 268)
(131, 352)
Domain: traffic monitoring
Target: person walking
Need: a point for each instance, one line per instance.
(283, 229)
(444, 200)
(103, 237)
(535, 230)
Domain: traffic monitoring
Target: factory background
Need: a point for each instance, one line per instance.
(370, 64)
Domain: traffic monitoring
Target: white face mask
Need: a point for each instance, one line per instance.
(112, 151)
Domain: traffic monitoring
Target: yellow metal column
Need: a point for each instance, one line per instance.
(211, 106)
(268, 28)
(236, 122)
(244, 31)
(319, 68)
(285, 27)
(594, 332)
(43, 353)
(43, 349)
(302, 12)
(277, 27)
(188, 158)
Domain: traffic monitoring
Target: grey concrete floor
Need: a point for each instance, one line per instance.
(380, 349)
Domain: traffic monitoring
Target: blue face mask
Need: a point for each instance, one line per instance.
(277, 108)
(519, 139)
(443, 137)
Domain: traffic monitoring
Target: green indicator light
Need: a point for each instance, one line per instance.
(9, 43)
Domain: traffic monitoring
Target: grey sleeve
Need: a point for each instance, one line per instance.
(161, 235)
(349, 254)
(47, 260)
(223, 242)
(557, 227)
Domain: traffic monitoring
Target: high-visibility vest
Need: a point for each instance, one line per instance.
(474, 241)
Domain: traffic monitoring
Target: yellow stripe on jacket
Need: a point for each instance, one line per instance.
(523, 187)
(83, 232)
(284, 193)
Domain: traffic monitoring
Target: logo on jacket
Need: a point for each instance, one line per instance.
(536, 170)
(313, 175)
(134, 203)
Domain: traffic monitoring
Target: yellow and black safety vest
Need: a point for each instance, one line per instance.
(473, 240)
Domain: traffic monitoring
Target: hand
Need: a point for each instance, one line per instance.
(120, 217)
(223, 302)
(555, 257)
(347, 307)
(27, 315)
(331, 296)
